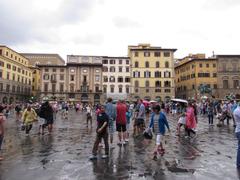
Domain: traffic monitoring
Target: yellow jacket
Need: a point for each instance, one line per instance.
(29, 116)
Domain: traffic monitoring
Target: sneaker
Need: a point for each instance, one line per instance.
(104, 156)
(93, 157)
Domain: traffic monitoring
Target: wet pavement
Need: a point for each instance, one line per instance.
(64, 154)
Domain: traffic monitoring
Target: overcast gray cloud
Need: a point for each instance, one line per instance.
(124, 22)
(22, 22)
(221, 4)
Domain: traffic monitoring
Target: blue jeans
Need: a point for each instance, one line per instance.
(238, 149)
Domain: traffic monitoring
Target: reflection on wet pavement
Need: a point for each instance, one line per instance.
(64, 154)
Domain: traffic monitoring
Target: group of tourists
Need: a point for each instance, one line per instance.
(112, 118)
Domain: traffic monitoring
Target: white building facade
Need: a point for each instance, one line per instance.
(116, 77)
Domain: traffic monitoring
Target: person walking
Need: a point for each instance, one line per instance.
(121, 122)
(46, 112)
(29, 116)
(210, 111)
(236, 115)
(158, 121)
(190, 120)
(2, 120)
(102, 133)
(18, 110)
(139, 123)
(111, 112)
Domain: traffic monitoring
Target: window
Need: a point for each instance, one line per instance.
(112, 79)
(97, 78)
(225, 84)
(166, 54)
(54, 70)
(203, 74)
(214, 74)
(236, 84)
(71, 87)
(53, 87)
(127, 79)
(112, 89)
(1, 86)
(119, 69)
(9, 66)
(46, 70)
(105, 61)
(8, 76)
(167, 90)
(193, 66)
(147, 64)
(136, 64)
(166, 64)
(13, 88)
(167, 83)
(46, 87)
(112, 62)
(8, 88)
(14, 68)
(61, 77)
(158, 84)
(167, 74)
(147, 74)
(97, 88)
(105, 89)
(120, 62)
(120, 79)
(127, 61)
(105, 79)
(97, 71)
(120, 89)
(127, 89)
(157, 54)
(13, 77)
(6, 53)
(61, 87)
(207, 65)
(2, 63)
(158, 90)
(215, 86)
(146, 54)
(200, 65)
(147, 90)
(1, 74)
(193, 86)
(147, 84)
(19, 70)
(214, 65)
(23, 72)
(72, 78)
(46, 77)
(84, 78)
(112, 69)
(105, 69)
(136, 54)
(157, 74)
(157, 64)
(136, 74)
(0, 51)
(127, 69)
(61, 70)
(72, 70)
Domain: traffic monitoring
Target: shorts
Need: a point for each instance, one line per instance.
(159, 139)
(41, 121)
(139, 122)
(111, 127)
(49, 121)
(121, 127)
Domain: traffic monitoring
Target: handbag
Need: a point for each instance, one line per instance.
(148, 133)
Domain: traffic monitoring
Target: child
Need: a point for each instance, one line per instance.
(102, 133)
(2, 119)
(181, 122)
(158, 121)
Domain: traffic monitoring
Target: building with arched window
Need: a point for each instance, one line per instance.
(151, 66)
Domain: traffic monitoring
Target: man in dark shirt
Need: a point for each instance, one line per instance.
(102, 133)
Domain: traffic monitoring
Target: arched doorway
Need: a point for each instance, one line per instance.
(11, 100)
(96, 99)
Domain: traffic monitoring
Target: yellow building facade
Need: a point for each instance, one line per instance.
(152, 72)
(192, 72)
(15, 76)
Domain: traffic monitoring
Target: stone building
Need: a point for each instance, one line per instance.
(15, 76)
(116, 77)
(228, 75)
(152, 71)
(193, 71)
(80, 80)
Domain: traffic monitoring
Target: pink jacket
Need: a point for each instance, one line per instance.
(190, 118)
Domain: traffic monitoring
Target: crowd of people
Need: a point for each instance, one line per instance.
(112, 118)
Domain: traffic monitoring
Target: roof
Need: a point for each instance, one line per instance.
(194, 59)
(50, 65)
(228, 56)
(43, 54)
(151, 49)
(13, 51)
(116, 57)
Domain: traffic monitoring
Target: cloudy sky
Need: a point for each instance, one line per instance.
(107, 27)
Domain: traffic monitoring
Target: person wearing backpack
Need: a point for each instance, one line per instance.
(158, 121)
(2, 119)
(46, 112)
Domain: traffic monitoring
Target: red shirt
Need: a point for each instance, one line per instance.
(121, 114)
